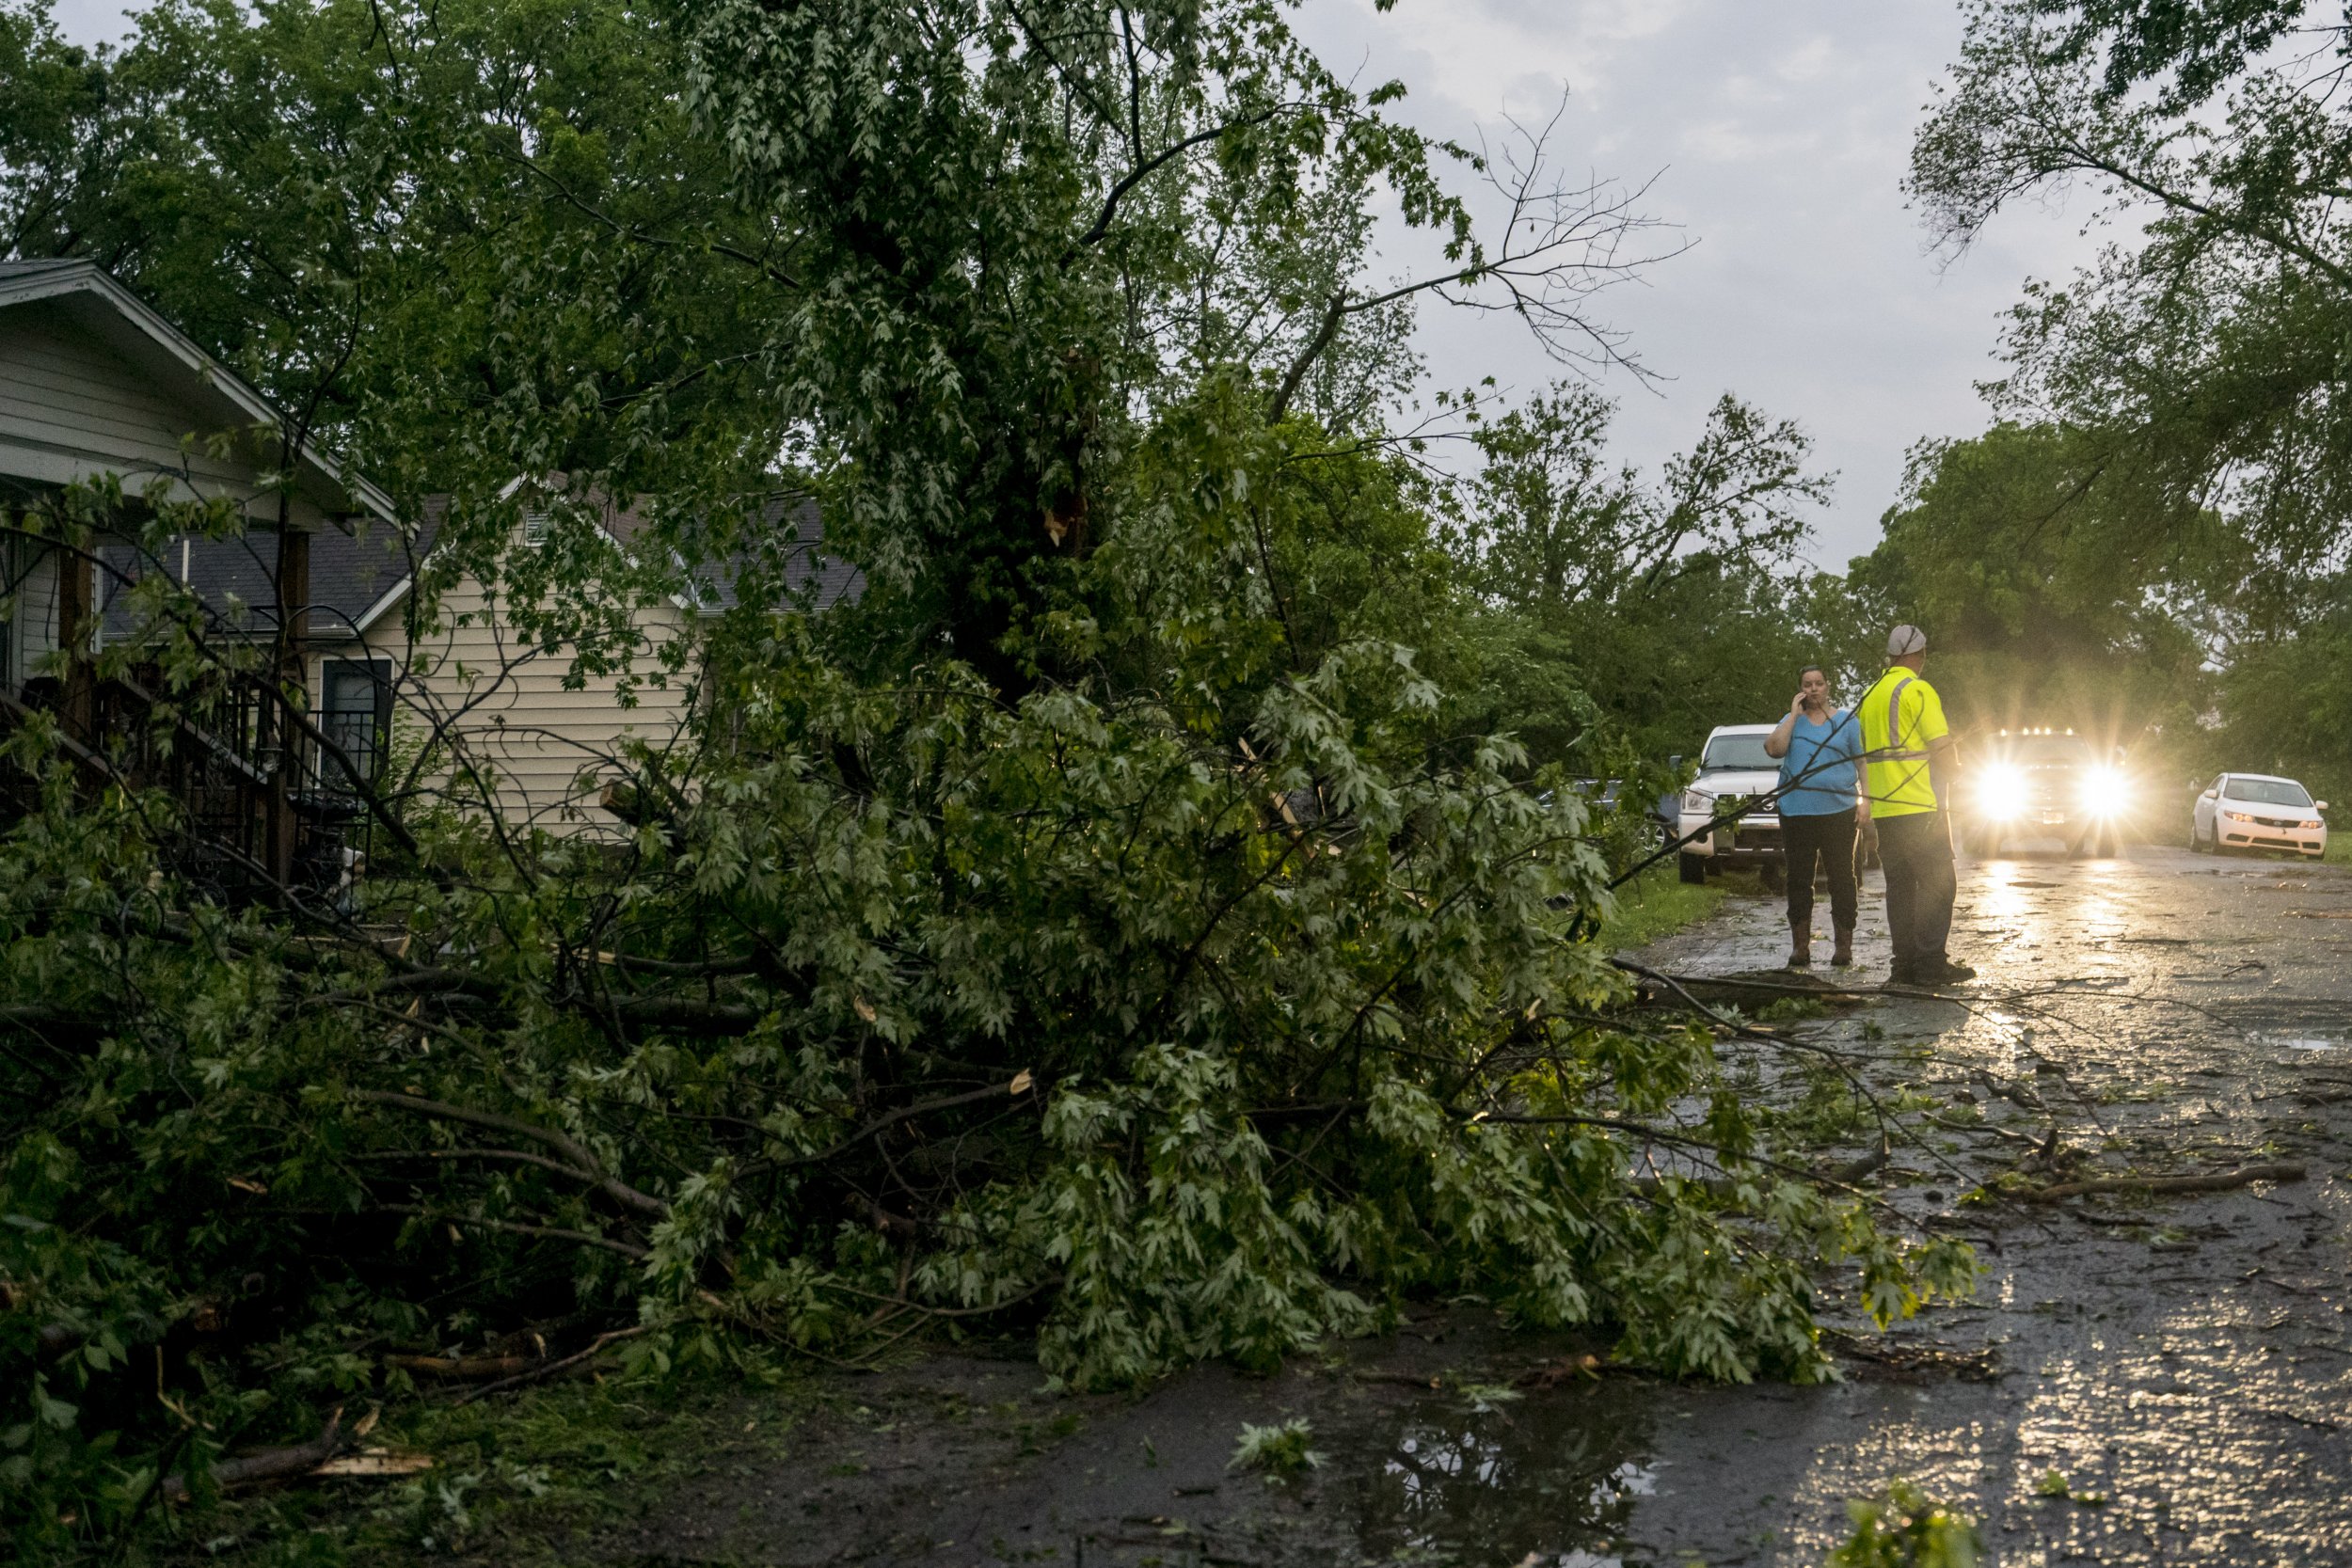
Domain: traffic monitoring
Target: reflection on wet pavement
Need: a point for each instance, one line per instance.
(1554, 1478)
(2182, 1362)
(2138, 1379)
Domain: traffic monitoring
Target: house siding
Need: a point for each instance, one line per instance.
(510, 711)
(73, 409)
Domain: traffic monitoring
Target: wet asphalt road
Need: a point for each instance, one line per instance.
(2185, 1363)
(2189, 1359)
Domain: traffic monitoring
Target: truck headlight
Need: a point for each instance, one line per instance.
(2106, 792)
(2000, 791)
(1698, 801)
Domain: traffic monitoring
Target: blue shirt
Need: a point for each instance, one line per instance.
(1822, 752)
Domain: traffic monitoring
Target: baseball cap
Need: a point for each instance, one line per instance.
(1904, 640)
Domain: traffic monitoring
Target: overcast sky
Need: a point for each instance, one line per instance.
(1777, 131)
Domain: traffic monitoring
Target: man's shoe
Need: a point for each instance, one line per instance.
(1946, 972)
(1903, 975)
(1800, 958)
(1843, 958)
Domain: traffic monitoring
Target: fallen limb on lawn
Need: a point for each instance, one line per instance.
(460, 1366)
(269, 1464)
(549, 1369)
(376, 1462)
(2218, 1182)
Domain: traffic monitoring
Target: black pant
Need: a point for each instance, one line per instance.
(1916, 849)
(1830, 836)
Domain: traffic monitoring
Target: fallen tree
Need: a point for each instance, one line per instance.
(1123, 927)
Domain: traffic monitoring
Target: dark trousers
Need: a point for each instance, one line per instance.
(1916, 850)
(1828, 837)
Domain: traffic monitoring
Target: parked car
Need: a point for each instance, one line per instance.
(2257, 811)
(2043, 784)
(1734, 764)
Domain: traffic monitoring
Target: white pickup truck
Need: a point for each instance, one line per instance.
(1733, 764)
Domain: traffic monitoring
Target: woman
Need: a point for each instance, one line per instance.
(1820, 808)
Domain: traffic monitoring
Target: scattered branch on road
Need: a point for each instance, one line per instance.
(2215, 1183)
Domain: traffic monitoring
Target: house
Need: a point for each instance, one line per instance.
(96, 387)
(536, 735)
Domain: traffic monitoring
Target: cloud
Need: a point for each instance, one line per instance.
(1779, 135)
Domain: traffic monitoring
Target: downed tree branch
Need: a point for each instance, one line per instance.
(1049, 1283)
(1022, 1084)
(684, 1015)
(553, 1233)
(2216, 1182)
(1732, 1025)
(269, 1465)
(438, 983)
(494, 1156)
(551, 1369)
(572, 1149)
(2002, 1133)
(66, 1028)
(1854, 1170)
(460, 1367)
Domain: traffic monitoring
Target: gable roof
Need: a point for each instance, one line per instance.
(357, 577)
(96, 302)
(714, 587)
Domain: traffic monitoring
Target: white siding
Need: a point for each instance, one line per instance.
(513, 715)
(72, 409)
(32, 631)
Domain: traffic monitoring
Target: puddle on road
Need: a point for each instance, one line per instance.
(1547, 1480)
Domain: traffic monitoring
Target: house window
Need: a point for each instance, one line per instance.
(355, 713)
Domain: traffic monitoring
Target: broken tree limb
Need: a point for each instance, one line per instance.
(1854, 1170)
(462, 1368)
(553, 1369)
(269, 1465)
(553, 1233)
(590, 1169)
(2216, 1182)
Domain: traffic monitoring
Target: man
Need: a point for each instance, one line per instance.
(1909, 762)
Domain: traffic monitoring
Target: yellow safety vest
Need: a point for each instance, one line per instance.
(1900, 716)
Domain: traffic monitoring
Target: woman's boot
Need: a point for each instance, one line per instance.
(1843, 958)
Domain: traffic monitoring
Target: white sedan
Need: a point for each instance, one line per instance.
(2257, 811)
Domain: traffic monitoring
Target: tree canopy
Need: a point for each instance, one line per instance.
(2193, 376)
(1137, 923)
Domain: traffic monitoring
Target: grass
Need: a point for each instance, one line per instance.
(1655, 904)
(526, 1481)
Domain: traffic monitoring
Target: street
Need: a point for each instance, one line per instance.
(2182, 1363)
(2184, 1358)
